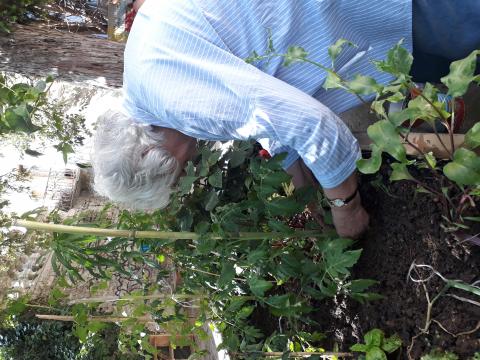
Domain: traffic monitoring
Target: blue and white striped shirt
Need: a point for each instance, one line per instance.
(185, 69)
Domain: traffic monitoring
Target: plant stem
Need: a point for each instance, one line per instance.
(444, 119)
(134, 234)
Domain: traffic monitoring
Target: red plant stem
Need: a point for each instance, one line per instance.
(451, 127)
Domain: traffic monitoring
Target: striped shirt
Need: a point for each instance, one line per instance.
(185, 69)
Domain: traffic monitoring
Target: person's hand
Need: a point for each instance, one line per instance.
(350, 221)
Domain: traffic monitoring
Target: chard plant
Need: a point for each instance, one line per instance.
(456, 179)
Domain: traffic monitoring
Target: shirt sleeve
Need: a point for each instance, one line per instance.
(307, 127)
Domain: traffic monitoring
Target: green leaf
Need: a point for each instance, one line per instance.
(282, 206)
(465, 168)
(385, 136)
(185, 184)
(371, 165)
(398, 62)
(400, 172)
(216, 179)
(363, 85)
(276, 179)
(259, 286)
(359, 348)
(245, 312)
(375, 353)
(41, 85)
(333, 81)
(335, 49)
(280, 226)
(461, 74)
(374, 337)
(237, 158)
(360, 285)
(227, 274)
(379, 108)
(211, 200)
(432, 162)
(294, 54)
(472, 137)
(392, 343)
(362, 298)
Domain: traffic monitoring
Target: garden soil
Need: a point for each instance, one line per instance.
(405, 228)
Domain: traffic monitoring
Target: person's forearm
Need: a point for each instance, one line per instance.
(344, 190)
(301, 175)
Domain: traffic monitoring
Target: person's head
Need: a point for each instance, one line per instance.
(131, 164)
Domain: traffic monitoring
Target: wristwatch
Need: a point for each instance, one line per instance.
(338, 203)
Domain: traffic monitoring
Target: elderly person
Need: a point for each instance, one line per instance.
(185, 79)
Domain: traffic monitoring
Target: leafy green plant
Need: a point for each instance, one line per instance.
(26, 112)
(440, 355)
(457, 180)
(226, 232)
(377, 346)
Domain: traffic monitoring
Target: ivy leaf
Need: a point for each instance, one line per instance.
(294, 54)
(227, 274)
(259, 286)
(465, 168)
(398, 62)
(363, 85)
(461, 74)
(472, 137)
(383, 133)
(216, 179)
(335, 49)
(392, 343)
(371, 165)
(400, 172)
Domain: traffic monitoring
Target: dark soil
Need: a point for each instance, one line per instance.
(405, 228)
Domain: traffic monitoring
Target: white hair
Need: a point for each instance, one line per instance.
(129, 164)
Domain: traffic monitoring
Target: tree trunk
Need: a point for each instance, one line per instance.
(41, 50)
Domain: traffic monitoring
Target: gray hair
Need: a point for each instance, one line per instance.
(129, 164)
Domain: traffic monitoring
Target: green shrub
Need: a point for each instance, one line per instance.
(14, 11)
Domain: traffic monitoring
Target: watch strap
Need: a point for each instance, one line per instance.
(342, 202)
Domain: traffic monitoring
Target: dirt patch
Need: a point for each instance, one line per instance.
(405, 227)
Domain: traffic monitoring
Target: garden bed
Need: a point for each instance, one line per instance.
(405, 228)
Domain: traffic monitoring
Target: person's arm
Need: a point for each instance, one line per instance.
(352, 219)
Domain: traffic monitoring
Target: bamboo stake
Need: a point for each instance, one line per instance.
(105, 299)
(185, 235)
(302, 354)
(142, 319)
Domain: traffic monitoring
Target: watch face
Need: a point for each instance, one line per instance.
(338, 202)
